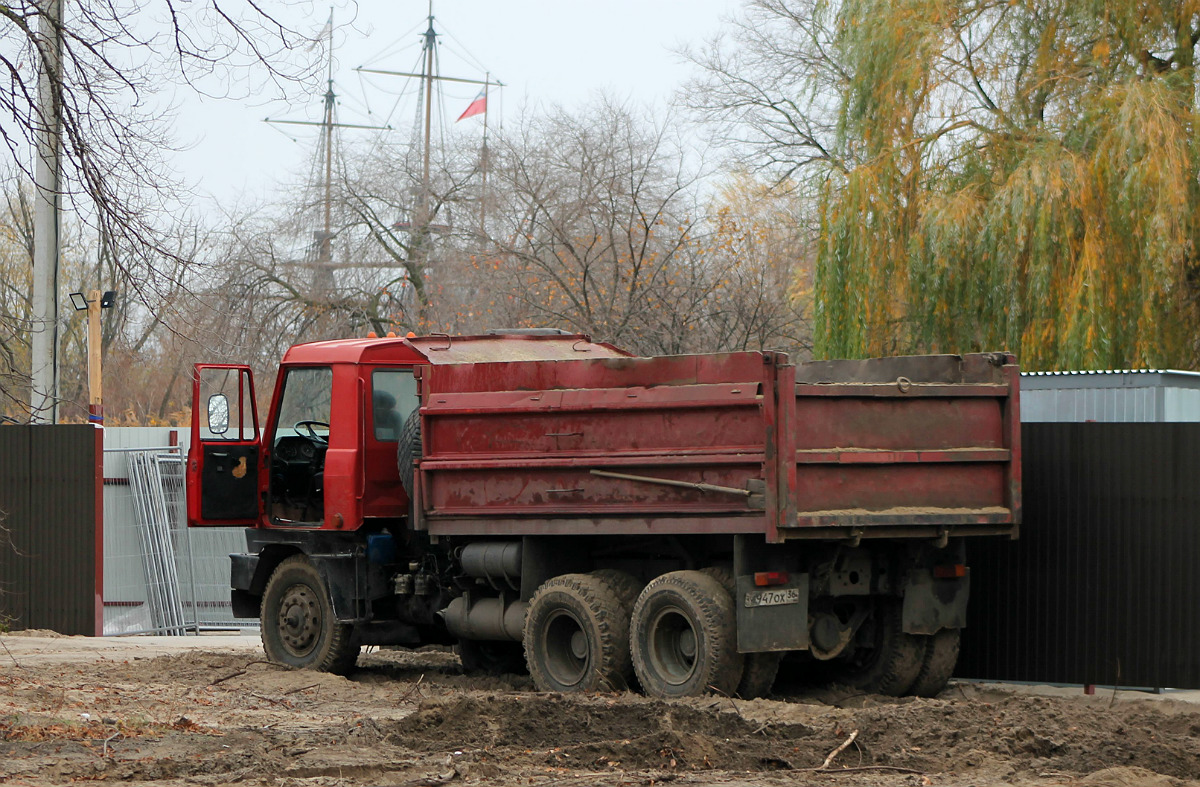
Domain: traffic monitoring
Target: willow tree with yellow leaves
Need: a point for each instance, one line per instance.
(983, 175)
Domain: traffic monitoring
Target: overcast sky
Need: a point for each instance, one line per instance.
(545, 51)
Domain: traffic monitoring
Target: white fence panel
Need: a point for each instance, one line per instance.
(159, 576)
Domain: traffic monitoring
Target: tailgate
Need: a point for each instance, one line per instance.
(904, 443)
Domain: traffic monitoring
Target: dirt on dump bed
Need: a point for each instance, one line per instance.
(412, 718)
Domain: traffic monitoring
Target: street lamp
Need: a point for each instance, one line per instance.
(93, 303)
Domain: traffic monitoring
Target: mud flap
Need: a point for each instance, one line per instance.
(931, 605)
(347, 586)
(242, 570)
(772, 618)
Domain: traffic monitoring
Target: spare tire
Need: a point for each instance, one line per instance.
(409, 451)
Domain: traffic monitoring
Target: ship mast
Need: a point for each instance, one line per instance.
(430, 44)
(328, 124)
(423, 215)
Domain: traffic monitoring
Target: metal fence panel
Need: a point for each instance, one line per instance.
(160, 576)
(50, 497)
(1102, 586)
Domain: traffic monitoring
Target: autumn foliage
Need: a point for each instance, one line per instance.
(1019, 175)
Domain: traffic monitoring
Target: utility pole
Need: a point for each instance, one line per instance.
(92, 303)
(323, 276)
(43, 398)
(326, 254)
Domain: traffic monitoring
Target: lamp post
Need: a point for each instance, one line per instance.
(93, 303)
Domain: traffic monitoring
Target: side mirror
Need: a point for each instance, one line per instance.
(218, 414)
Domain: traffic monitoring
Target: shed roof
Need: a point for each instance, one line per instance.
(1110, 378)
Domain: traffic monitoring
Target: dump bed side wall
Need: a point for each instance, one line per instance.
(728, 443)
(923, 440)
(511, 448)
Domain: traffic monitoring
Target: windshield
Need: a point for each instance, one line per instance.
(307, 393)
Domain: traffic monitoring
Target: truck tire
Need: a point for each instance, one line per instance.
(759, 670)
(891, 664)
(577, 636)
(409, 450)
(684, 637)
(491, 657)
(941, 656)
(625, 585)
(299, 628)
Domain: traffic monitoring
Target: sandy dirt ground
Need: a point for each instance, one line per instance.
(210, 710)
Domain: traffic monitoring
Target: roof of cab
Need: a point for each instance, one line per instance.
(452, 349)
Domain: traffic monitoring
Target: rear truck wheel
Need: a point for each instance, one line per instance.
(625, 585)
(886, 660)
(409, 450)
(491, 657)
(941, 655)
(299, 628)
(759, 670)
(577, 636)
(758, 674)
(684, 637)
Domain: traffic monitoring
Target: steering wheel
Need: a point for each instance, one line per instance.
(308, 430)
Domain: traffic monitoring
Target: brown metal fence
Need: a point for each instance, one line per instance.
(1102, 587)
(51, 547)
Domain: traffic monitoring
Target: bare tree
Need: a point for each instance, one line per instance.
(601, 228)
(595, 212)
(116, 57)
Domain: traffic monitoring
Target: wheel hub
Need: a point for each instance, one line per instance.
(687, 644)
(567, 650)
(673, 646)
(578, 645)
(299, 620)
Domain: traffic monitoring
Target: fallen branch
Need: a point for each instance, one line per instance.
(861, 768)
(109, 740)
(227, 677)
(824, 767)
(1116, 685)
(416, 686)
(302, 688)
(9, 652)
(838, 751)
(728, 699)
(283, 703)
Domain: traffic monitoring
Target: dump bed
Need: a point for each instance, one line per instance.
(724, 443)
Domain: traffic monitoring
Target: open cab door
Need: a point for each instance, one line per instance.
(224, 456)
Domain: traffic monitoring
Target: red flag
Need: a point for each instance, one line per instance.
(478, 106)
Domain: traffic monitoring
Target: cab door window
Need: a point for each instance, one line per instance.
(299, 443)
(393, 398)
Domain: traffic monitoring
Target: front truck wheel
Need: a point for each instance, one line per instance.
(886, 661)
(299, 628)
(577, 636)
(941, 655)
(684, 637)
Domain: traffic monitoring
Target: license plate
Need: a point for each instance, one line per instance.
(773, 598)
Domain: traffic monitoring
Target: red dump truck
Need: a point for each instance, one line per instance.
(547, 502)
